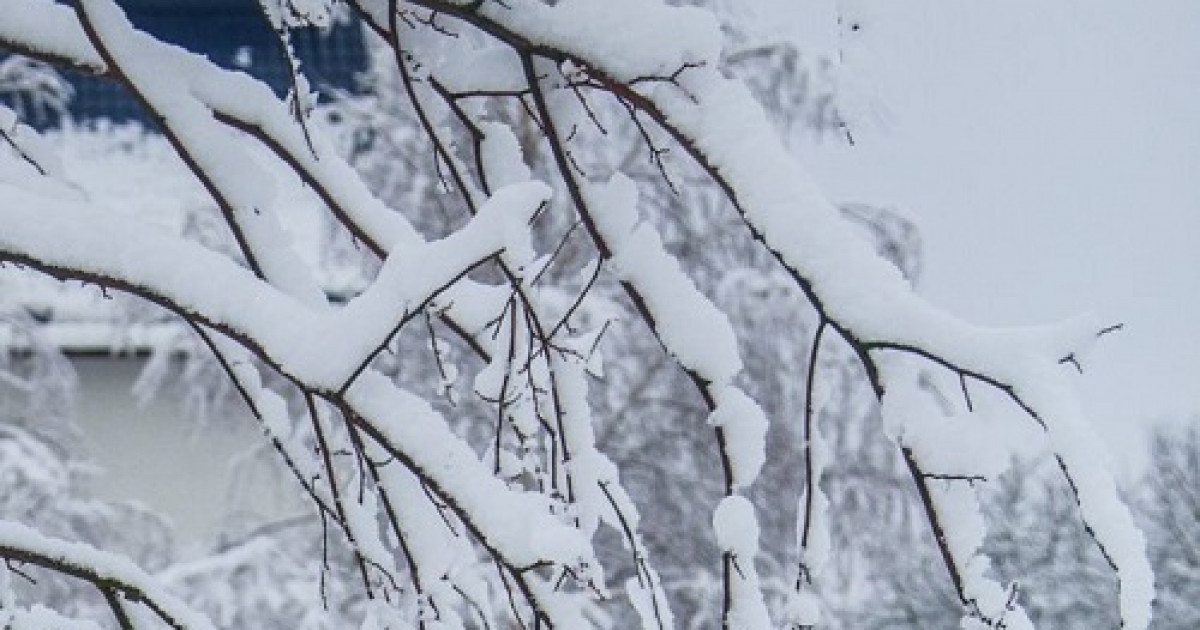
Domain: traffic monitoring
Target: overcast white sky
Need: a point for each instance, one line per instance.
(1050, 152)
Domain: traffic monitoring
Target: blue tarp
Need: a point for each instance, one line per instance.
(232, 34)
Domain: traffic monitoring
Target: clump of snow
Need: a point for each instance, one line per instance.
(736, 526)
(691, 327)
(284, 14)
(745, 427)
(630, 48)
(964, 443)
(501, 152)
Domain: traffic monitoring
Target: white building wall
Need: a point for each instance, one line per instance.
(155, 454)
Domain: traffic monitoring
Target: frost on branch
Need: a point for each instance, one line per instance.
(548, 193)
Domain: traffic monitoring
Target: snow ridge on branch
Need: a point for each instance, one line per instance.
(502, 92)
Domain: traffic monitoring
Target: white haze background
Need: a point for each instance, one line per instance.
(1050, 153)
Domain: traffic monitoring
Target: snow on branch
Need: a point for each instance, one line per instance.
(863, 298)
(122, 583)
(524, 111)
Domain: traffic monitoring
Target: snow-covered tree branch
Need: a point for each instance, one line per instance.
(556, 128)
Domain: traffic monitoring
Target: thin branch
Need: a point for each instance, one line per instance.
(807, 436)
